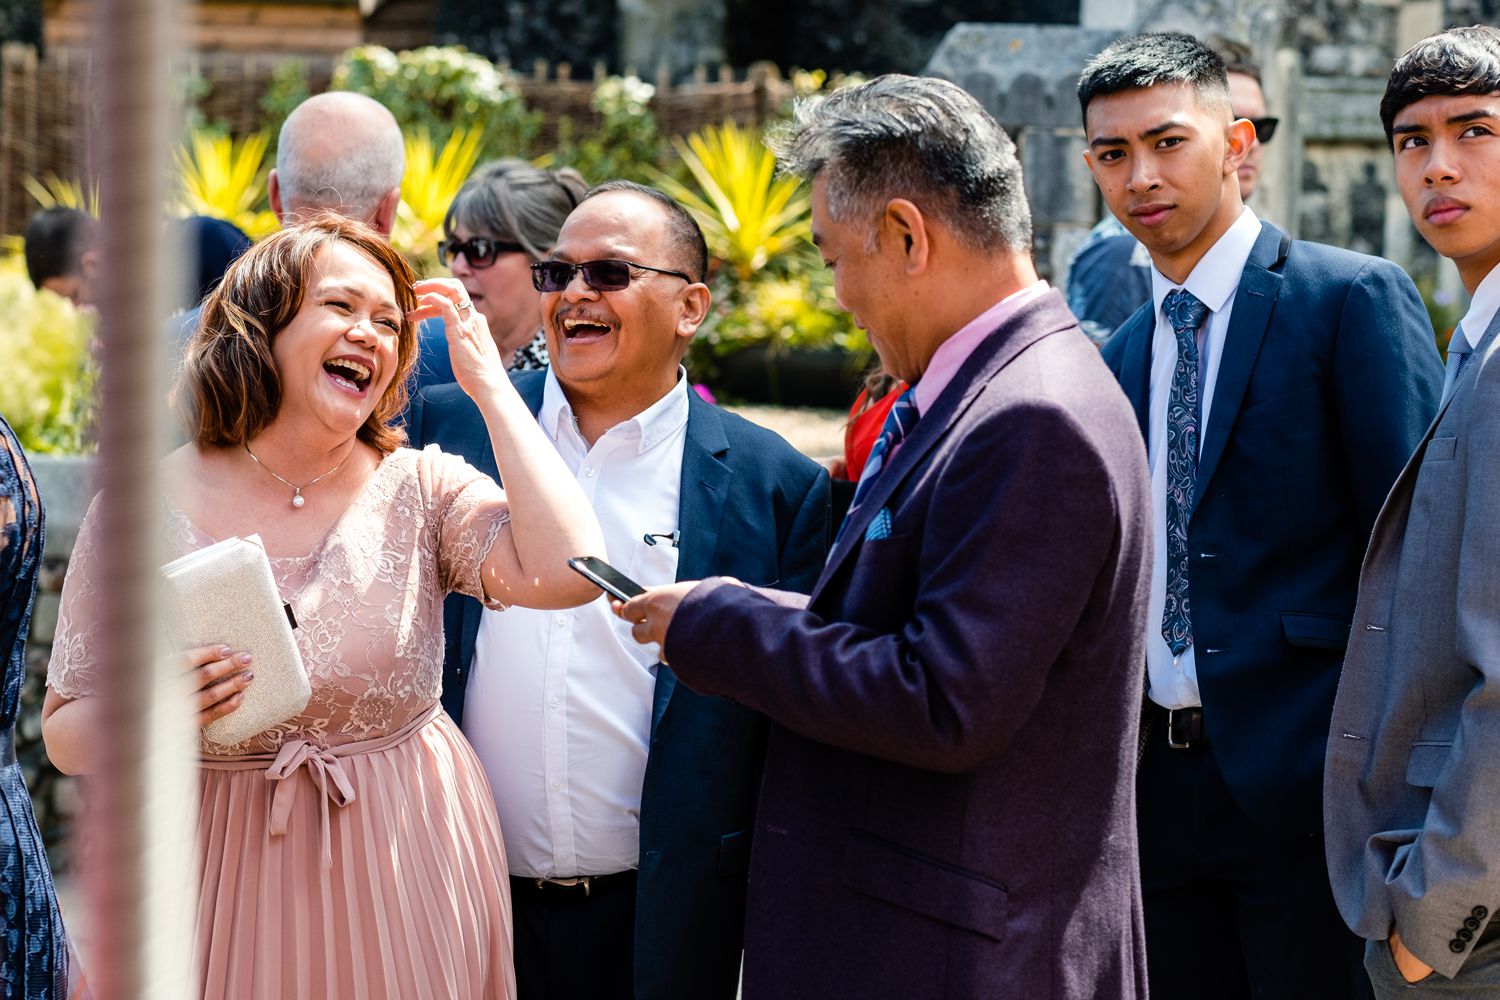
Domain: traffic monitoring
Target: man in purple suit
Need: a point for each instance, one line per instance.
(948, 802)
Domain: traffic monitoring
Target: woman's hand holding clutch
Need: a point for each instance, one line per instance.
(218, 677)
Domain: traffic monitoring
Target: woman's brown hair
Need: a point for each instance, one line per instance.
(229, 388)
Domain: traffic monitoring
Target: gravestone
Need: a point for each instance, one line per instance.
(1026, 75)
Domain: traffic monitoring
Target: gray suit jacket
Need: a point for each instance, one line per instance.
(1412, 783)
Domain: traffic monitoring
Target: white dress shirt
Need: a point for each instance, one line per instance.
(558, 703)
(1482, 309)
(1172, 682)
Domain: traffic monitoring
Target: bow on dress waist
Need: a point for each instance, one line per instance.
(324, 766)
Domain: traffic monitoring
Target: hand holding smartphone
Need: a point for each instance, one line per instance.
(604, 576)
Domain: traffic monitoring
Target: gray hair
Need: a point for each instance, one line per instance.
(919, 138)
(511, 200)
(340, 151)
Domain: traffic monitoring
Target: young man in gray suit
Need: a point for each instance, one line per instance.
(1412, 784)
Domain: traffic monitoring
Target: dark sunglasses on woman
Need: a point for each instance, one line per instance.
(480, 253)
(600, 275)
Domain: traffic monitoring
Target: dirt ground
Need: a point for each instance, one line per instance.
(816, 433)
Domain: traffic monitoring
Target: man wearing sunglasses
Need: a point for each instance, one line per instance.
(1109, 276)
(626, 800)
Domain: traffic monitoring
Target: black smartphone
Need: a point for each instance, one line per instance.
(604, 576)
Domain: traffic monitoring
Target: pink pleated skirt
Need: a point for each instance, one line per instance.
(366, 872)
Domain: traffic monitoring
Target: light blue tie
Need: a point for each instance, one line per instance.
(1457, 359)
(1185, 313)
(898, 423)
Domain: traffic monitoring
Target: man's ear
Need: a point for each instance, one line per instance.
(273, 191)
(88, 263)
(384, 219)
(696, 299)
(1240, 137)
(903, 222)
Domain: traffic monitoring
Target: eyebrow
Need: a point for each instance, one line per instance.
(1478, 114)
(1150, 133)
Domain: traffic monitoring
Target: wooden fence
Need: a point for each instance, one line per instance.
(47, 113)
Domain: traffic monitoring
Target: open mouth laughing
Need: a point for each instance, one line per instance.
(349, 374)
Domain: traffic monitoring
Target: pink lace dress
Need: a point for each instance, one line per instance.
(353, 851)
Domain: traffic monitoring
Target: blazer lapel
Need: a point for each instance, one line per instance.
(700, 511)
(1048, 314)
(1135, 370)
(1254, 302)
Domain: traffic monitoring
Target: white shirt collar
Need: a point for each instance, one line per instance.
(1482, 309)
(1217, 274)
(654, 424)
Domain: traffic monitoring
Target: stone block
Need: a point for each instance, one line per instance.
(1026, 75)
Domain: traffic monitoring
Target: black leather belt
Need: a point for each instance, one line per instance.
(580, 885)
(1183, 726)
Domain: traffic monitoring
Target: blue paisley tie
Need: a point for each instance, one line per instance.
(898, 423)
(1186, 314)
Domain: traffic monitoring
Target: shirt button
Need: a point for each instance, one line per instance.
(561, 619)
(556, 786)
(554, 702)
(588, 470)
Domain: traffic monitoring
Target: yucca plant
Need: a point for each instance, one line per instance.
(226, 179)
(428, 187)
(750, 217)
(53, 191)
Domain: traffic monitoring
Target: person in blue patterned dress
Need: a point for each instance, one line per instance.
(33, 949)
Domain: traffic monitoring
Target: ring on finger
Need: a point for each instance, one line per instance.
(465, 306)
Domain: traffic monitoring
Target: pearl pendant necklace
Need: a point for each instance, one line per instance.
(297, 498)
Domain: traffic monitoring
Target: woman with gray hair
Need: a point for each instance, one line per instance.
(506, 216)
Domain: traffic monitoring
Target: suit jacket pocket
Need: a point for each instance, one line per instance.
(922, 884)
(1426, 762)
(1312, 631)
(882, 585)
(734, 854)
(1440, 449)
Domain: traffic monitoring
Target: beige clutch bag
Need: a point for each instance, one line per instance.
(225, 594)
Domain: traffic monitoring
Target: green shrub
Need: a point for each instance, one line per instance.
(439, 89)
(48, 390)
(626, 143)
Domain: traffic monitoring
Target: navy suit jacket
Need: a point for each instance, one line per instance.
(1328, 378)
(948, 807)
(753, 508)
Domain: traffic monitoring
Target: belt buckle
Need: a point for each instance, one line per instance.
(568, 883)
(1172, 742)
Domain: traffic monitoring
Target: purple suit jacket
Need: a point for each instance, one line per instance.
(948, 808)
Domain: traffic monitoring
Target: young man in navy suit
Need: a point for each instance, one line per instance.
(1279, 386)
(626, 800)
(948, 805)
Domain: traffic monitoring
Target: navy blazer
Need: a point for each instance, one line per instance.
(1328, 378)
(948, 807)
(751, 507)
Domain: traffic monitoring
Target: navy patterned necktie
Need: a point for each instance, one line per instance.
(898, 424)
(1185, 313)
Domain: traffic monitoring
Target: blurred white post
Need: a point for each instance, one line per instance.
(142, 871)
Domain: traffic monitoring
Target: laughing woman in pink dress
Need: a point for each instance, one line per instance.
(352, 851)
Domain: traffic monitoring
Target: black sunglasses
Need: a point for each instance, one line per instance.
(600, 275)
(1265, 128)
(480, 253)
